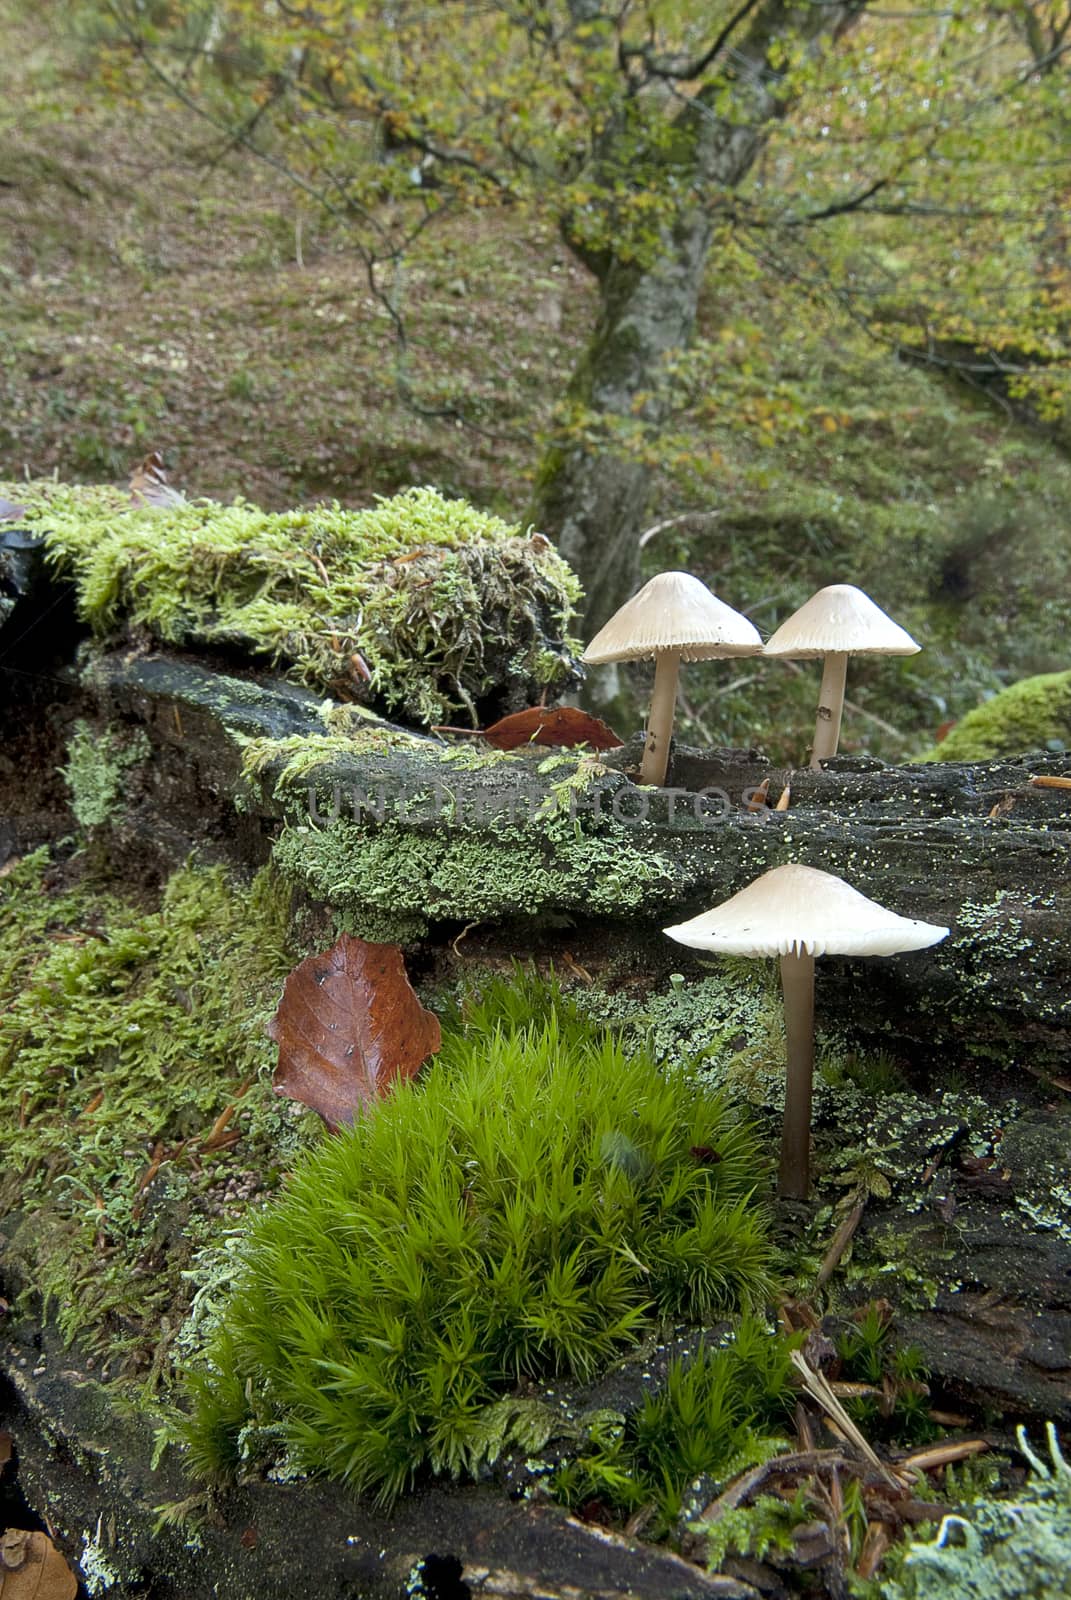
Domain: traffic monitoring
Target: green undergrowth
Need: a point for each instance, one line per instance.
(97, 761)
(525, 1211)
(898, 1404)
(713, 1417)
(1034, 714)
(127, 1027)
(444, 604)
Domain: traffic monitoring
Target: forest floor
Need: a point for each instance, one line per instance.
(162, 294)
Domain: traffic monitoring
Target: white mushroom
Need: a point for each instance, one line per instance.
(673, 618)
(837, 622)
(798, 913)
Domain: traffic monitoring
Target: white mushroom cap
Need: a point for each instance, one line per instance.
(674, 612)
(797, 909)
(840, 618)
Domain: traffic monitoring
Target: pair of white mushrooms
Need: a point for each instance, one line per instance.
(676, 618)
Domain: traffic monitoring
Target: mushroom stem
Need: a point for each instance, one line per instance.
(830, 707)
(797, 983)
(660, 721)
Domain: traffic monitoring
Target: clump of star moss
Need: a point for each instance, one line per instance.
(443, 603)
(527, 1210)
(1034, 714)
(128, 1026)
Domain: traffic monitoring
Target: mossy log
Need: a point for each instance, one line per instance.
(133, 1527)
(532, 845)
(403, 834)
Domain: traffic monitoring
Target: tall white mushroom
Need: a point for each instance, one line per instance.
(673, 618)
(798, 913)
(835, 623)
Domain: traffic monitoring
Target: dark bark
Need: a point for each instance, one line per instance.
(592, 496)
(87, 1466)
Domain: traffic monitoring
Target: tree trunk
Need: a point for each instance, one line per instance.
(592, 496)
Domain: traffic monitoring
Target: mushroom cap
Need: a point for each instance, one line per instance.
(674, 611)
(840, 617)
(797, 909)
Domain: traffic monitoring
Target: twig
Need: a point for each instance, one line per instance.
(1047, 782)
(1047, 1078)
(839, 1243)
(819, 1389)
(693, 716)
(671, 522)
(852, 705)
(744, 1486)
(939, 1455)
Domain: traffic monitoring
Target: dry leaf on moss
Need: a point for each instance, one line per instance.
(149, 485)
(348, 1026)
(31, 1568)
(556, 725)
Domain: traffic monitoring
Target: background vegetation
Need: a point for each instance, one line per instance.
(164, 288)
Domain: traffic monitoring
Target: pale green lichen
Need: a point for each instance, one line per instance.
(1015, 1549)
(1034, 714)
(444, 603)
(449, 875)
(991, 934)
(97, 762)
(99, 1572)
(707, 1023)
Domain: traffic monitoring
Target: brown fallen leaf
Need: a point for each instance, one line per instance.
(349, 1025)
(149, 485)
(9, 510)
(554, 725)
(5, 1449)
(31, 1568)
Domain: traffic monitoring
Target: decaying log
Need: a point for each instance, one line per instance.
(977, 848)
(90, 1470)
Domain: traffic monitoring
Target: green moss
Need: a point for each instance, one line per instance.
(709, 1421)
(523, 1211)
(126, 1029)
(299, 756)
(1034, 714)
(97, 760)
(448, 875)
(443, 602)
